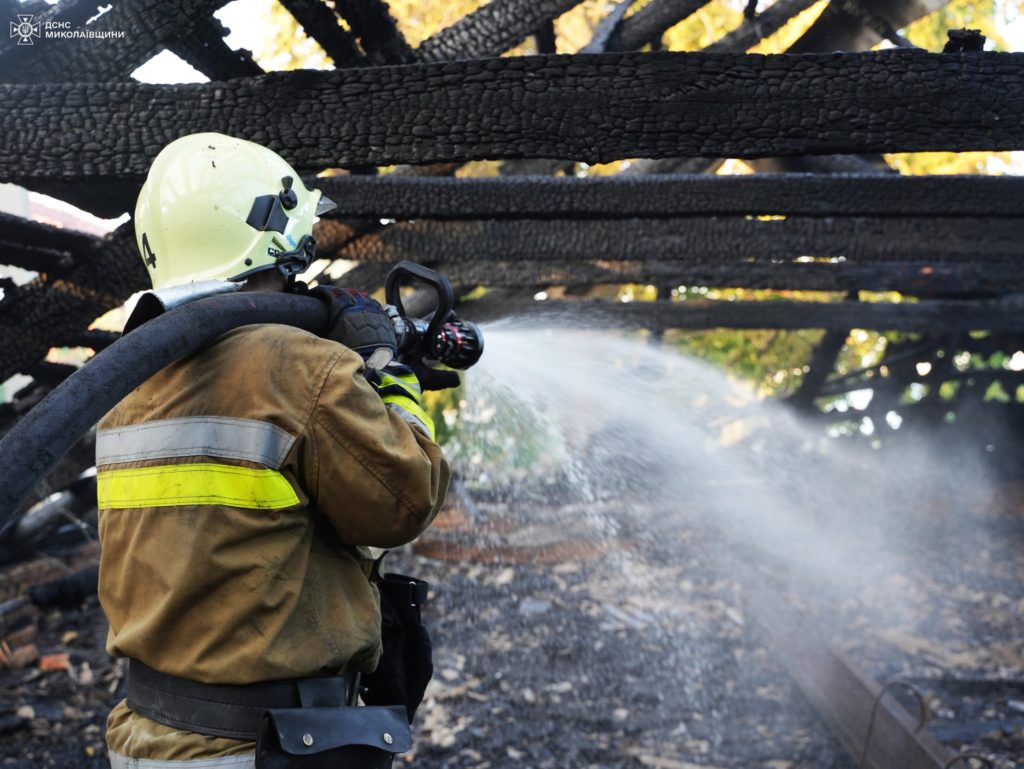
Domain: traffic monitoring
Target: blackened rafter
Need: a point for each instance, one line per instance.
(371, 21)
(910, 278)
(648, 24)
(595, 109)
(675, 195)
(699, 239)
(491, 29)
(52, 312)
(752, 31)
(320, 22)
(842, 27)
(205, 49)
(928, 316)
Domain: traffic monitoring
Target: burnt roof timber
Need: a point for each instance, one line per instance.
(649, 23)
(491, 29)
(768, 22)
(928, 316)
(697, 239)
(52, 261)
(589, 108)
(371, 21)
(908, 278)
(321, 23)
(674, 195)
(52, 312)
(606, 28)
(205, 49)
(841, 27)
(611, 40)
(31, 233)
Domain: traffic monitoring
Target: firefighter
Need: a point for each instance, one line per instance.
(240, 488)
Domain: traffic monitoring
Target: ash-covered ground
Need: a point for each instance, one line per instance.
(644, 649)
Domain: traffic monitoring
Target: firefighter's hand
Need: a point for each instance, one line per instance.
(433, 378)
(359, 322)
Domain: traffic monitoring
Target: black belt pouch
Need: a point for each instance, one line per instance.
(332, 738)
(406, 665)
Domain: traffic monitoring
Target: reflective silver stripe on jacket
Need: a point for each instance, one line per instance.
(248, 761)
(411, 418)
(225, 437)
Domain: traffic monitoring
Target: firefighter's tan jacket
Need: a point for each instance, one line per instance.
(237, 490)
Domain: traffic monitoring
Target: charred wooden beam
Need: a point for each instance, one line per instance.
(647, 25)
(980, 378)
(205, 49)
(825, 164)
(605, 38)
(840, 28)
(697, 239)
(925, 316)
(856, 708)
(645, 167)
(34, 234)
(660, 196)
(545, 38)
(145, 24)
(48, 313)
(94, 339)
(321, 23)
(822, 363)
(655, 105)
(752, 31)
(51, 261)
(492, 29)
(909, 279)
(373, 24)
(599, 42)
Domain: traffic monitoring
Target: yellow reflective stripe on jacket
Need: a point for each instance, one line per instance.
(193, 484)
(408, 382)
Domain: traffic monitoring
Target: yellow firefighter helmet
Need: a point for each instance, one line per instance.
(218, 208)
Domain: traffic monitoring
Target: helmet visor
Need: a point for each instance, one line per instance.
(324, 205)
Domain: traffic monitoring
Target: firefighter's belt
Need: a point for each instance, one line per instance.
(221, 710)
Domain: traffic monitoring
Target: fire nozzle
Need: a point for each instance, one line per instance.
(440, 336)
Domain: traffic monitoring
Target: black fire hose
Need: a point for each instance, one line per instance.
(48, 431)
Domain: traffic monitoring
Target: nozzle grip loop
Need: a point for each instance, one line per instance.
(445, 294)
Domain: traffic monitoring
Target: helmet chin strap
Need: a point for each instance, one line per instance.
(291, 263)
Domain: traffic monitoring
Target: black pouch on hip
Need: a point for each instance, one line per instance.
(331, 738)
(406, 664)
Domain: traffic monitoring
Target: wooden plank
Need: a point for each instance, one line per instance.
(906, 278)
(931, 316)
(697, 240)
(591, 108)
(673, 195)
(846, 698)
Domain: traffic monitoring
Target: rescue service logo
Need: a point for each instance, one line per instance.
(25, 29)
(28, 30)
